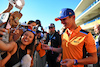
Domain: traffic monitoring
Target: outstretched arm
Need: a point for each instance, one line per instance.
(5, 60)
(8, 9)
(9, 54)
(92, 59)
(6, 46)
(46, 47)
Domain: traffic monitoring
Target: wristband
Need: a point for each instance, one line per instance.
(51, 48)
(75, 62)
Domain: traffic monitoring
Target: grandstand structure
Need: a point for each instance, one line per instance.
(87, 14)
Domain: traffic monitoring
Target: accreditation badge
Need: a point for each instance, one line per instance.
(49, 43)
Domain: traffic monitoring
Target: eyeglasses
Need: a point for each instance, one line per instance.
(31, 31)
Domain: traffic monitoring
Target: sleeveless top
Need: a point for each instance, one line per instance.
(15, 58)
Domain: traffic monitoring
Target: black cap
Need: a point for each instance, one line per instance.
(38, 22)
(52, 25)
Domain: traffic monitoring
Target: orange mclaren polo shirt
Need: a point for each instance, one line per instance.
(73, 46)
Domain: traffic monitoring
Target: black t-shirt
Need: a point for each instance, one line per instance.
(55, 42)
(15, 58)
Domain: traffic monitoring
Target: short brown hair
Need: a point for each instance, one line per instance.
(31, 21)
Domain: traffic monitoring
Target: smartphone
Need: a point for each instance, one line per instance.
(4, 17)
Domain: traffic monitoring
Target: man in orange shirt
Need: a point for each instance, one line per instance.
(73, 40)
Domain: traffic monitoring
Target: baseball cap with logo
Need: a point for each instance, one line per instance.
(51, 25)
(64, 13)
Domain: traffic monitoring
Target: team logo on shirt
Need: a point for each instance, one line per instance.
(75, 40)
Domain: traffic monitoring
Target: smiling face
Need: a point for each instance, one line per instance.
(14, 18)
(68, 22)
(27, 38)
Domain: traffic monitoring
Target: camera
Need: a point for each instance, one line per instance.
(34, 28)
(38, 22)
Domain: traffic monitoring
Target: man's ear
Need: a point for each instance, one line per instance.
(73, 16)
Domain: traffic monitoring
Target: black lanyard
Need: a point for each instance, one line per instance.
(50, 36)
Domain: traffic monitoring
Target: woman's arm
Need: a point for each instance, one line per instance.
(8, 9)
(5, 60)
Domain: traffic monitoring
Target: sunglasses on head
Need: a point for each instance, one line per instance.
(31, 31)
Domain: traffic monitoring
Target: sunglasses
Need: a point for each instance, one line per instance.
(31, 31)
(50, 27)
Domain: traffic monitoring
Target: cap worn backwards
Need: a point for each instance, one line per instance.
(64, 13)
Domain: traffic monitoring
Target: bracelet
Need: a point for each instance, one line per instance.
(51, 48)
(75, 62)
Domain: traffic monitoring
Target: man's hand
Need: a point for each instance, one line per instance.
(18, 7)
(59, 58)
(14, 31)
(2, 32)
(67, 62)
(45, 47)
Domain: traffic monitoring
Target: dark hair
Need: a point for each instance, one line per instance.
(31, 21)
(38, 22)
(30, 46)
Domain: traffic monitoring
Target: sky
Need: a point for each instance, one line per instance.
(44, 10)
